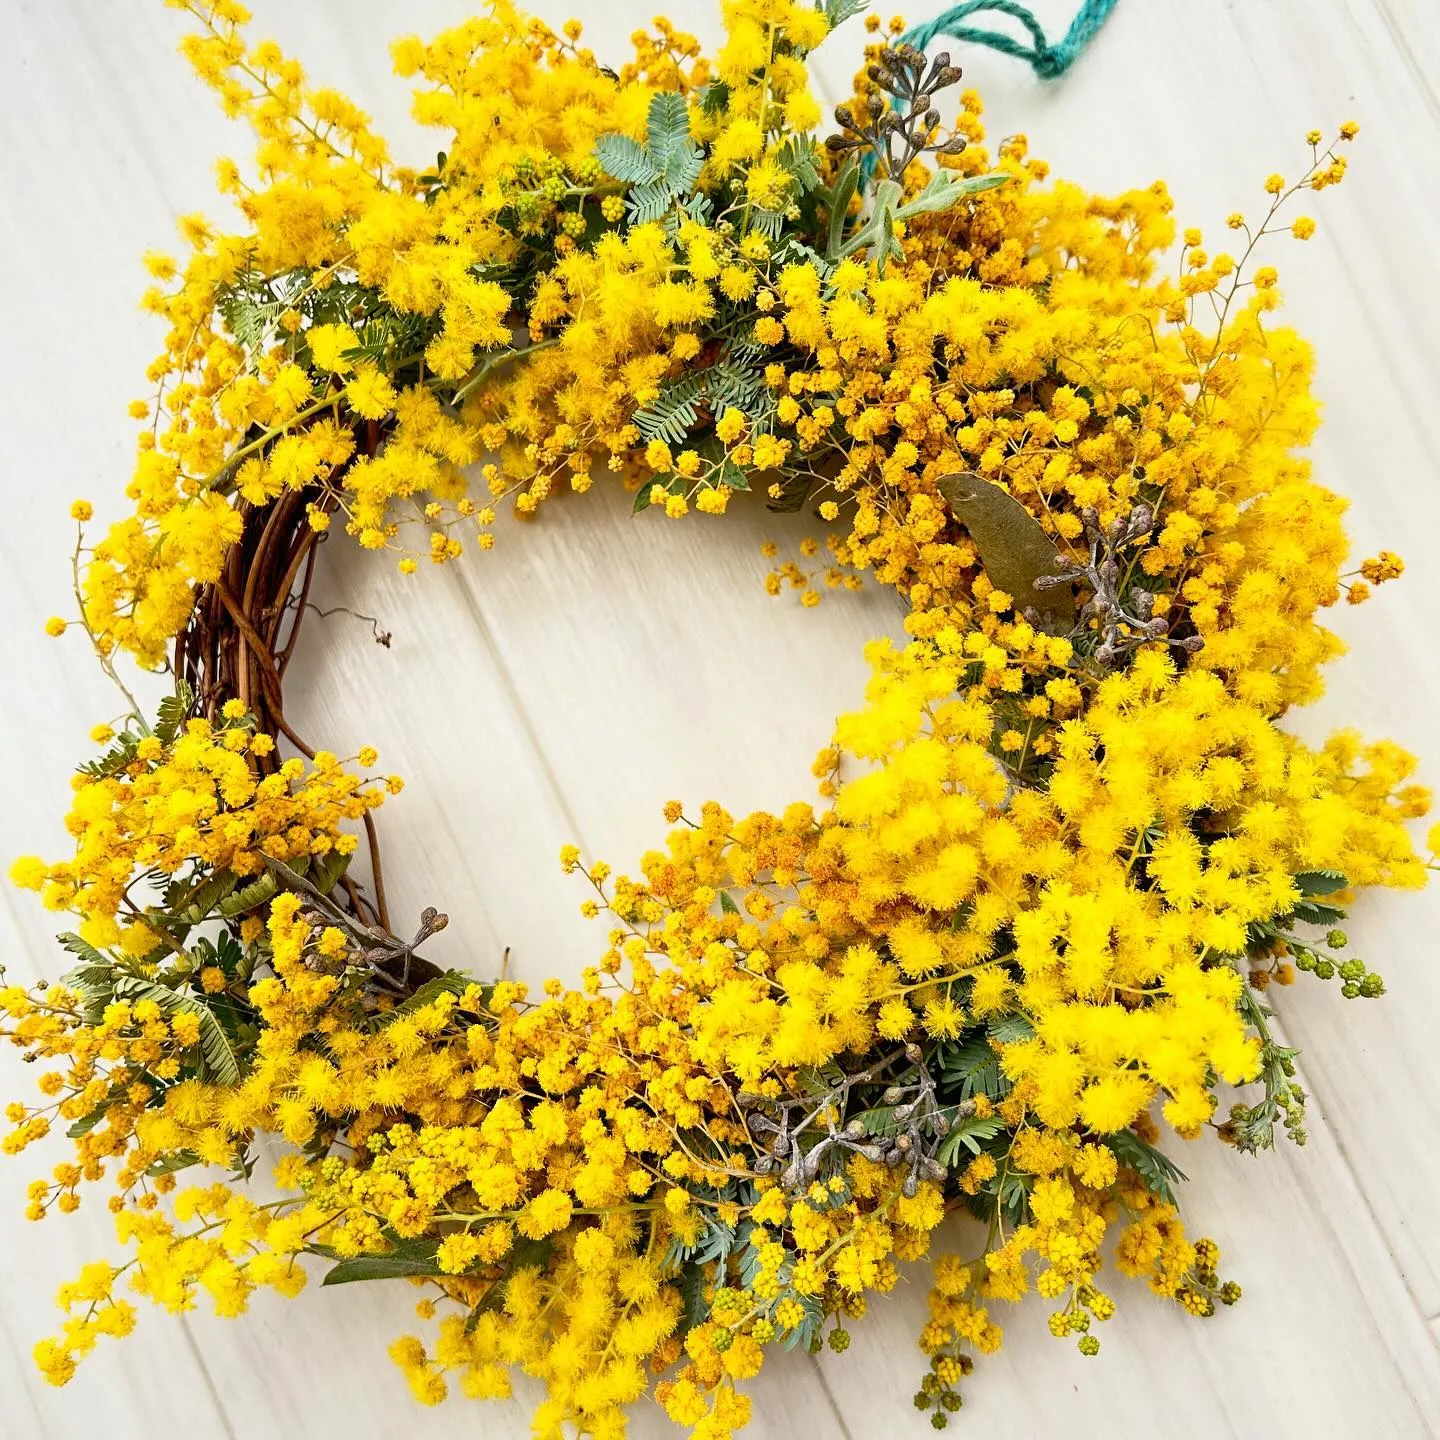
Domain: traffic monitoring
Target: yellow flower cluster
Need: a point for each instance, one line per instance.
(163, 805)
(356, 269)
(1064, 849)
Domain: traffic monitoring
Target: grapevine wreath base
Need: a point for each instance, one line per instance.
(1064, 848)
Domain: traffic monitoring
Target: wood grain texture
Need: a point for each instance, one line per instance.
(594, 665)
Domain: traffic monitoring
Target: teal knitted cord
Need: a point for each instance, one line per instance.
(1047, 60)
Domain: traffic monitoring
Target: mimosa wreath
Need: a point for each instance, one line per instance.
(1064, 846)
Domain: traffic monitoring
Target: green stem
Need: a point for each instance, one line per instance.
(492, 362)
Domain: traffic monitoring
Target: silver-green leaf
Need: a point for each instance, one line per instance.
(1013, 546)
(625, 159)
(945, 188)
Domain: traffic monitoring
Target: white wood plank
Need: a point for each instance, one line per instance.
(1415, 28)
(593, 666)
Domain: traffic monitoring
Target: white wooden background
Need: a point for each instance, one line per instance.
(564, 686)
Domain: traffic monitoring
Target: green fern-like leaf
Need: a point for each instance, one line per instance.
(1007, 1029)
(974, 1069)
(1320, 882)
(968, 1134)
(86, 1123)
(222, 1065)
(819, 1080)
(768, 222)
(627, 160)
(175, 1161)
(250, 897)
(837, 12)
(1157, 1170)
(647, 203)
(116, 760)
(207, 896)
(387, 337)
(715, 97)
(797, 157)
(683, 168)
(452, 982)
(880, 1122)
(695, 1309)
(1312, 912)
(325, 872)
(221, 1062)
(172, 713)
(251, 319)
(91, 959)
(730, 384)
(671, 414)
(667, 127)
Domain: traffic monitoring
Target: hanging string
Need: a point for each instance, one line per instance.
(1047, 60)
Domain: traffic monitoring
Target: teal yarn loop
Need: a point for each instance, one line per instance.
(1047, 60)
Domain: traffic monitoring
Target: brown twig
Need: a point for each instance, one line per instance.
(377, 878)
(231, 645)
